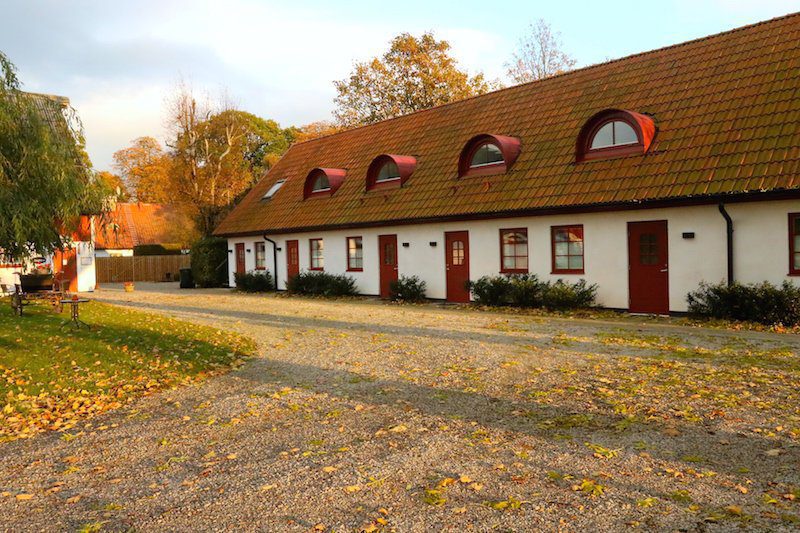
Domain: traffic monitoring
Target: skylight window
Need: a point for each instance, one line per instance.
(272, 190)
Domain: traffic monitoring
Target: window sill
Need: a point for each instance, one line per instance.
(316, 269)
(355, 270)
(488, 170)
(261, 268)
(385, 185)
(794, 274)
(567, 272)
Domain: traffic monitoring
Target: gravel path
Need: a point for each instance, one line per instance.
(361, 415)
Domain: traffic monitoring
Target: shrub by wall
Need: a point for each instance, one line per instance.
(322, 284)
(764, 303)
(210, 262)
(254, 281)
(407, 289)
(157, 249)
(526, 290)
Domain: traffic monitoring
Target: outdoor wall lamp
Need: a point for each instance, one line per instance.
(230, 251)
(248, 250)
(406, 244)
(433, 244)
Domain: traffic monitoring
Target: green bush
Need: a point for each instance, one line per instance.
(157, 249)
(407, 289)
(210, 262)
(254, 281)
(322, 284)
(526, 290)
(764, 302)
(564, 295)
(491, 290)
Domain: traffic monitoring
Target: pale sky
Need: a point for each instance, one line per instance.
(118, 60)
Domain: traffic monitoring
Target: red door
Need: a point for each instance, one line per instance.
(240, 268)
(65, 266)
(292, 259)
(387, 255)
(456, 244)
(648, 265)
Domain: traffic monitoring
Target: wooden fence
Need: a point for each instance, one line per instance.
(140, 268)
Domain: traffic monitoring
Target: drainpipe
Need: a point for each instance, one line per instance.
(274, 259)
(729, 231)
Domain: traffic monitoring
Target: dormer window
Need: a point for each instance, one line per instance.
(390, 171)
(615, 133)
(323, 182)
(487, 154)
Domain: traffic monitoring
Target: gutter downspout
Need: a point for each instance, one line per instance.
(729, 231)
(274, 259)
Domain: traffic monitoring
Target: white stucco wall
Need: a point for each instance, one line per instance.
(8, 277)
(760, 245)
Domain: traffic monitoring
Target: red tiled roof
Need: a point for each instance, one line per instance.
(727, 109)
(133, 224)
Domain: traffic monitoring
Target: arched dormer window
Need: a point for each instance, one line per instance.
(614, 133)
(323, 182)
(488, 154)
(389, 171)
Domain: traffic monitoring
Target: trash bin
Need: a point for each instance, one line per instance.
(187, 281)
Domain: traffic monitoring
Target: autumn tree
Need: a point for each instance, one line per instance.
(314, 130)
(115, 184)
(45, 177)
(415, 73)
(217, 154)
(540, 55)
(144, 167)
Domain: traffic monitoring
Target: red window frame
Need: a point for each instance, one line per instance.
(503, 256)
(350, 267)
(321, 265)
(794, 268)
(573, 228)
(263, 255)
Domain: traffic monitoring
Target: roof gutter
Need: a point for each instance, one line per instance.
(729, 232)
(274, 259)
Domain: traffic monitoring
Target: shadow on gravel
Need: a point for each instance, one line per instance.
(545, 421)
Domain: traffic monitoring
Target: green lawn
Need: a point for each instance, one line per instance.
(51, 377)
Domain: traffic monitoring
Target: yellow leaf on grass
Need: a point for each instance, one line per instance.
(465, 479)
(74, 499)
(398, 429)
(352, 488)
(23, 497)
(265, 488)
(329, 469)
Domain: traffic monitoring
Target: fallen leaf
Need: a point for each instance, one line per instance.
(23, 497)
(329, 469)
(74, 499)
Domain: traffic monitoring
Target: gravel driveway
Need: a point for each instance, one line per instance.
(360, 415)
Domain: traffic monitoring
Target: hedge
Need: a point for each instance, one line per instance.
(526, 290)
(322, 284)
(210, 262)
(764, 303)
(407, 289)
(254, 281)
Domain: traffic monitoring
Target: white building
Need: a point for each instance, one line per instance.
(646, 175)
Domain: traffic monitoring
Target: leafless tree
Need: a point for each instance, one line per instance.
(539, 55)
